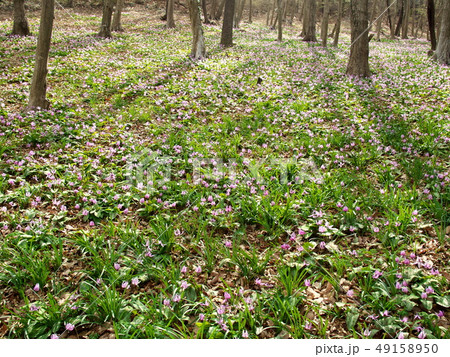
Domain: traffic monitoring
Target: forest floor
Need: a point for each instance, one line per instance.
(257, 193)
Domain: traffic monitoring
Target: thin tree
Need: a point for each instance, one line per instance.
(443, 46)
(338, 24)
(280, 21)
(105, 28)
(389, 16)
(198, 50)
(205, 13)
(431, 11)
(250, 10)
(358, 64)
(380, 19)
(20, 22)
(405, 24)
(309, 19)
(226, 38)
(219, 10)
(324, 27)
(38, 87)
(170, 20)
(117, 18)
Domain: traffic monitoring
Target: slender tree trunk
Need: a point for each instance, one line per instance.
(272, 21)
(310, 21)
(117, 23)
(280, 20)
(405, 23)
(250, 10)
(380, 19)
(226, 39)
(373, 14)
(443, 46)
(391, 23)
(238, 13)
(400, 19)
(338, 24)
(20, 22)
(358, 64)
(431, 11)
(413, 18)
(198, 50)
(38, 87)
(220, 10)
(205, 13)
(105, 29)
(213, 9)
(324, 27)
(170, 19)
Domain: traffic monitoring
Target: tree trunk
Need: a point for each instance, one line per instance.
(219, 11)
(373, 14)
(324, 27)
(238, 13)
(358, 64)
(405, 23)
(310, 21)
(380, 20)
(226, 39)
(20, 24)
(198, 41)
(38, 87)
(400, 19)
(443, 46)
(280, 21)
(205, 12)
(250, 10)
(117, 23)
(170, 20)
(432, 23)
(338, 24)
(391, 23)
(105, 29)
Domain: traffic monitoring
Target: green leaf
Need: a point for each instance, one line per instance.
(443, 301)
(352, 318)
(427, 304)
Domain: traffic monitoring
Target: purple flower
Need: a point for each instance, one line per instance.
(401, 336)
(308, 326)
(245, 334)
(125, 285)
(116, 266)
(322, 229)
(307, 282)
(36, 287)
(135, 281)
(166, 302)
(183, 269)
(350, 293)
(69, 327)
(54, 336)
(226, 296)
(176, 298)
(424, 295)
(228, 244)
(422, 334)
(34, 308)
(429, 290)
(285, 246)
(377, 274)
(184, 285)
(366, 332)
(322, 245)
(201, 317)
